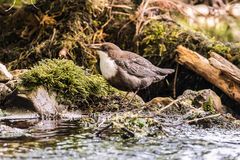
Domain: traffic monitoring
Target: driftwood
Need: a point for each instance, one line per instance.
(225, 66)
(216, 70)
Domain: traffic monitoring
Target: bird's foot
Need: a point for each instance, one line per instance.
(130, 101)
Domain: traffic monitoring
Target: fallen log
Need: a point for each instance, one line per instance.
(225, 66)
(216, 70)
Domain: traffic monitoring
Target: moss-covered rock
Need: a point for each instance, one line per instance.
(72, 83)
(159, 40)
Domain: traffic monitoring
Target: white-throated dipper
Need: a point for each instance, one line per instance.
(127, 71)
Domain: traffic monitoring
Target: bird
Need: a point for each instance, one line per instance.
(125, 70)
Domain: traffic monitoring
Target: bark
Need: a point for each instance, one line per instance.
(225, 67)
(216, 70)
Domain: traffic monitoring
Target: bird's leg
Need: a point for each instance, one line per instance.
(121, 101)
(134, 95)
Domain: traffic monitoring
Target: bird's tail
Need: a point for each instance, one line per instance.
(162, 73)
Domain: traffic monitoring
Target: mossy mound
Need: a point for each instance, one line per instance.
(70, 81)
(159, 40)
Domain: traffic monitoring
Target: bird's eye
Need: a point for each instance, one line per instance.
(104, 48)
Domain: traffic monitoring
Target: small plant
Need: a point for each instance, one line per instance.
(208, 106)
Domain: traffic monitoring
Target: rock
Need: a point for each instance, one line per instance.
(205, 98)
(5, 75)
(72, 115)
(12, 84)
(19, 114)
(1, 113)
(45, 103)
(7, 132)
(163, 101)
(4, 91)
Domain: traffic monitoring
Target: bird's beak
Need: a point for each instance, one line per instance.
(95, 46)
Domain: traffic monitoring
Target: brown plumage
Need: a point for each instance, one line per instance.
(126, 70)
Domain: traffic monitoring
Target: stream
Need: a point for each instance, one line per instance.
(67, 140)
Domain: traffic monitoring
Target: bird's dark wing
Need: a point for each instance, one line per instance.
(159, 71)
(134, 68)
(135, 58)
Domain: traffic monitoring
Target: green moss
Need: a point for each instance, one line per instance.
(159, 40)
(208, 106)
(221, 48)
(140, 122)
(155, 37)
(70, 81)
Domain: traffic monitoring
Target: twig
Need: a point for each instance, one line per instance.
(175, 81)
(53, 35)
(123, 128)
(111, 6)
(34, 5)
(14, 2)
(164, 108)
(122, 13)
(100, 31)
(103, 129)
(131, 134)
(108, 21)
(121, 6)
(169, 105)
(203, 118)
(125, 25)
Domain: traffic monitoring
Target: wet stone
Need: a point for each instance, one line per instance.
(5, 75)
(1, 113)
(206, 98)
(7, 132)
(45, 103)
(162, 101)
(4, 91)
(12, 84)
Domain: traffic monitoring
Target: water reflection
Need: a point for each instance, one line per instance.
(66, 140)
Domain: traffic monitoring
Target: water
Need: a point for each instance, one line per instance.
(66, 140)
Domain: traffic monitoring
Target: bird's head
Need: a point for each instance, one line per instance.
(105, 49)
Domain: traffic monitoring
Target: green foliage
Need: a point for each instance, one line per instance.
(68, 80)
(140, 122)
(221, 48)
(157, 37)
(208, 106)
(16, 3)
(159, 41)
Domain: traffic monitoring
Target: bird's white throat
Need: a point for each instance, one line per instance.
(107, 66)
